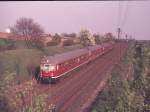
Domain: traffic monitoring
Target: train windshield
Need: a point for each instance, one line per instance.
(48, 67)
(51, 67)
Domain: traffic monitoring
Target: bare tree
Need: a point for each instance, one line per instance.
(28, 30)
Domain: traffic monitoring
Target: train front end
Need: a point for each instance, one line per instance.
(47, 69)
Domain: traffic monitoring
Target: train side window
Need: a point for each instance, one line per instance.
(78, 59)
(90, 53)
(74, 60)
(68, 62)
(57, 67)
(61, 65)
(64, 64)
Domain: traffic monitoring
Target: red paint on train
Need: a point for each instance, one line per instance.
(58, 65)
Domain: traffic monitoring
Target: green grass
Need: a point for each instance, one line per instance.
(18, 44)
(2, 42)
(16, 63)
(58, 49)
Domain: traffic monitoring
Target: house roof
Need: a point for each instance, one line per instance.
(5, 35)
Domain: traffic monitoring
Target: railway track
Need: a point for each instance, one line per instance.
(63, 99)
(73, 90)
(89, 89)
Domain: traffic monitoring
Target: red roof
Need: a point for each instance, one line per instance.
(5, 35)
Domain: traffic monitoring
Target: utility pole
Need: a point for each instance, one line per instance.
(126, 37)
(119, 32)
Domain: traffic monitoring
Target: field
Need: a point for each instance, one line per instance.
(20, 63)
(18, 66)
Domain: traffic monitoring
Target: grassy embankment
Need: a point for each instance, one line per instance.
(19, 63)
(129, 88)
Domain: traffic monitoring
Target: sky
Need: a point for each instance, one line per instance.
(71, 16)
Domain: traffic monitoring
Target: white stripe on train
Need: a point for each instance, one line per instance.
(79, 65)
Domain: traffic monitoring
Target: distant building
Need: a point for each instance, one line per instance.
(46, 38)
(76, 40)
(65, 39)
(5, 35)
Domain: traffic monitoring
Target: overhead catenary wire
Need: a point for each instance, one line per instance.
(119, 14)
(119, 18)
(126, 14)
(122, 16)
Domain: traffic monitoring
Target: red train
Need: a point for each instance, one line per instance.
(53, 67)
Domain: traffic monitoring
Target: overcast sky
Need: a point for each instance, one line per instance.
(72, 16)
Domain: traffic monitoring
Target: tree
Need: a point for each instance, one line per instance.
(64, 35)
(97, 38)
(29, 30)
(57, 38)
(108, 37)
(84, 37)
(73, 35)
(67, 42)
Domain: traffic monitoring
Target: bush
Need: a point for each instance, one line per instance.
(19, 62)
(68, 42)
(126, 95)
(52, 43)
(4, 104)
(7, 44)
(3, 45)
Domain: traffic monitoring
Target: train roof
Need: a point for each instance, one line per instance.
(58, 58)
(99, 46)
